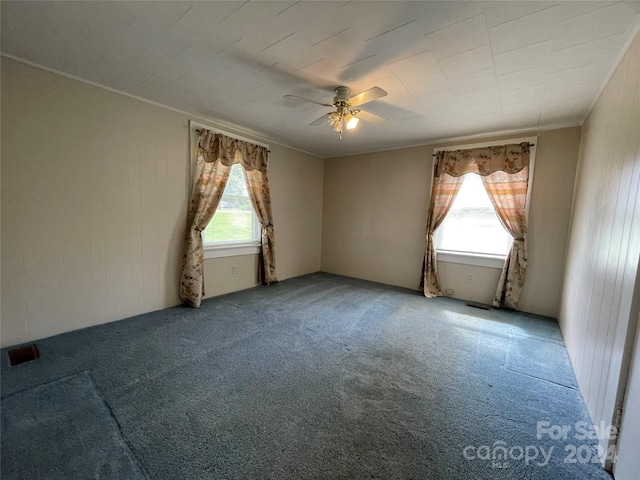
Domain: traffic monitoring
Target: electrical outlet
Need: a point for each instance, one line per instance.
(469, 278)
(448, 291)
(234, 269)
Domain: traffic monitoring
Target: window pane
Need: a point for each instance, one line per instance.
(472, 225)
(233, 220)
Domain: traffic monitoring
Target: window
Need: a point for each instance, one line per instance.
(235, 222)
(472, 226)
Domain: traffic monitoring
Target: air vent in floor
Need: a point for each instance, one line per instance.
(23, 354)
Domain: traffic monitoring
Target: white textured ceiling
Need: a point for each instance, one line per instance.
(451, 68)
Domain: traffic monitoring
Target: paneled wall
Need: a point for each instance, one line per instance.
(628, 464)
(94, 191)
(375, 212)
(600, 294)
(95, 188)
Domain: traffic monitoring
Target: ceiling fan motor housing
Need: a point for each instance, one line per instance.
(342, 96)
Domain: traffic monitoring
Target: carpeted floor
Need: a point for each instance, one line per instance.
(316, 377)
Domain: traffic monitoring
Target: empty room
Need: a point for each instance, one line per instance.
(320, 240)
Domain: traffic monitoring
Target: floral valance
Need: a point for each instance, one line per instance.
(216, 146)
(484, 161)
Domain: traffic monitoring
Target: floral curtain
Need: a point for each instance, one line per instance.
(216, 154)
(507, 158)
(508, 194)
(210, 180)
(444, 191)
(258, 186)
(216, 146)
(505, 174)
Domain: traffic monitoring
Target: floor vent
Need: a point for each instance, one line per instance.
(23, 354)
(481, 306)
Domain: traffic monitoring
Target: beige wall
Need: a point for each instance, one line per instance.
(95, 188)
(375, 206)
(375, 219)
(296, 183)
(481, 288)
(600, 293)
(549, 215)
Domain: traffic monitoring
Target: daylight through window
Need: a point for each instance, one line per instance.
(234, 220)
(472, 226)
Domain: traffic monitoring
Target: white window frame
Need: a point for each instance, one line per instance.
(228, 248)
(484, 259)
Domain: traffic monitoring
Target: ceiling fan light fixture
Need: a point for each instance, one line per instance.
(352, 121)
(335, 121)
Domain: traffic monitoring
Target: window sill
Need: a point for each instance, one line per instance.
(231, 250)
(477, 259)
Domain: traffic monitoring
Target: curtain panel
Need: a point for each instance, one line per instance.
(444, 192)
(258, 186)
(216, 154)
(508, 194)
(505, 175)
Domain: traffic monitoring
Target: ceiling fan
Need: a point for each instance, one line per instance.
(346, 113)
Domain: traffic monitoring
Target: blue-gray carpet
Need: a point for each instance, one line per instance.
(321, 377)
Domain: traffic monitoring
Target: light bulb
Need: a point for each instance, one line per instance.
(352, 123)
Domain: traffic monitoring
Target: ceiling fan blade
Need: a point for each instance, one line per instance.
(321, 120)
(367, 96)
(370, 117)
(309, 100)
